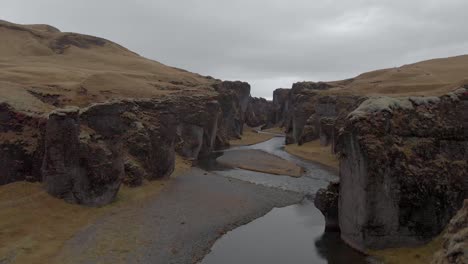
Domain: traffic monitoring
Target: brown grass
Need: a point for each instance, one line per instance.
(315, 152)
(431, 77)
(250, 137)
(35, 225)
(413, 255)
(275, 130)
(80, 69)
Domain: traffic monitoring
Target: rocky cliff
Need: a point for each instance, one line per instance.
(21, 144)
(234, 99)
(259, 112)
(403, 169)
(455, 245)
(280, 107)
(326, 200)
(312, 113)
(86, 153)
(91, 115)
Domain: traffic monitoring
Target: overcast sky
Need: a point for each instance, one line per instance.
(269, 43)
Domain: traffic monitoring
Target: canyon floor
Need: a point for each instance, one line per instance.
(179, 225)
(171, 221)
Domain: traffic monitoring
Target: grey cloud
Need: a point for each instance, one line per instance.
(270, 43)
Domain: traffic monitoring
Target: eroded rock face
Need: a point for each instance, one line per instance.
(326, 200)
(308, 106)
(455, 247)
(20, 145)
(403, 169)
(327, 132)
(233, 99)
(280, 107)
(80, 169)
(91, 151)
(259, 112)
(301, 106)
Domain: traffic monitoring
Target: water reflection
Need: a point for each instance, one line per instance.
(293, 234)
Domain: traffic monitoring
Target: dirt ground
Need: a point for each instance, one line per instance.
(178, 226)
(257, 160)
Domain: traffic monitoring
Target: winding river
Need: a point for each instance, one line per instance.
(292, 234)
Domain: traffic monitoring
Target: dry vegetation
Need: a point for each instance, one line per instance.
(42, 68)
(35, 225)
(251, 136)
(432, 77)
(413, 255)
(315, 152)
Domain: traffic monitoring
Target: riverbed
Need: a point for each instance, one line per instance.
(216, 214)
(291, 234)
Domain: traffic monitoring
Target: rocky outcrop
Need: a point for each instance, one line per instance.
(20, 145)
(403, 169)
(280, 107)
(326, 200)
(80, 168)
(85, 154)
(259, 112)
(234, 99)
(455, 245)
(327, 131)
(308, 106)
(301, 104)
(133, 114)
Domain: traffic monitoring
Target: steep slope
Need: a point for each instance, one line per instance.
(42, 68)
(84, 115)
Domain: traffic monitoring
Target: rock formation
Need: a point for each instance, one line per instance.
(308, 105)
(20, 145)
(139, 138)
(455, 246)
(234, 100)
(280, 107)
(326, 200)
(86, 123)
(403, 169)
(259, 112)
(80, 168)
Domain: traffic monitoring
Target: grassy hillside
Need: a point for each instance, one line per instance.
(42, 68)
(432, 77)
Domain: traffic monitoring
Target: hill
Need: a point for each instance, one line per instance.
(42, 68)
(431, 77)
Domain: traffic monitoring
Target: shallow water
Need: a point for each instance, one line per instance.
(314, 177)
(293, 234)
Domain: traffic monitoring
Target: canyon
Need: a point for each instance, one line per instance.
(88, 120)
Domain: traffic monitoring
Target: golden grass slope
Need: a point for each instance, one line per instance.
(431, 77)
(45, 68)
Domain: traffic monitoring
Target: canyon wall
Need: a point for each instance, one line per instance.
(309, 114)
(280, 107)
(259, 112)
(83, 155)
(403, 169)
(455, 245)
(234, 99)
(21, 144)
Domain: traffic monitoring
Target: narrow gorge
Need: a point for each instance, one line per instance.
(109, 157)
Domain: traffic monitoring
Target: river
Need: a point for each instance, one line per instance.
(292, 234)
